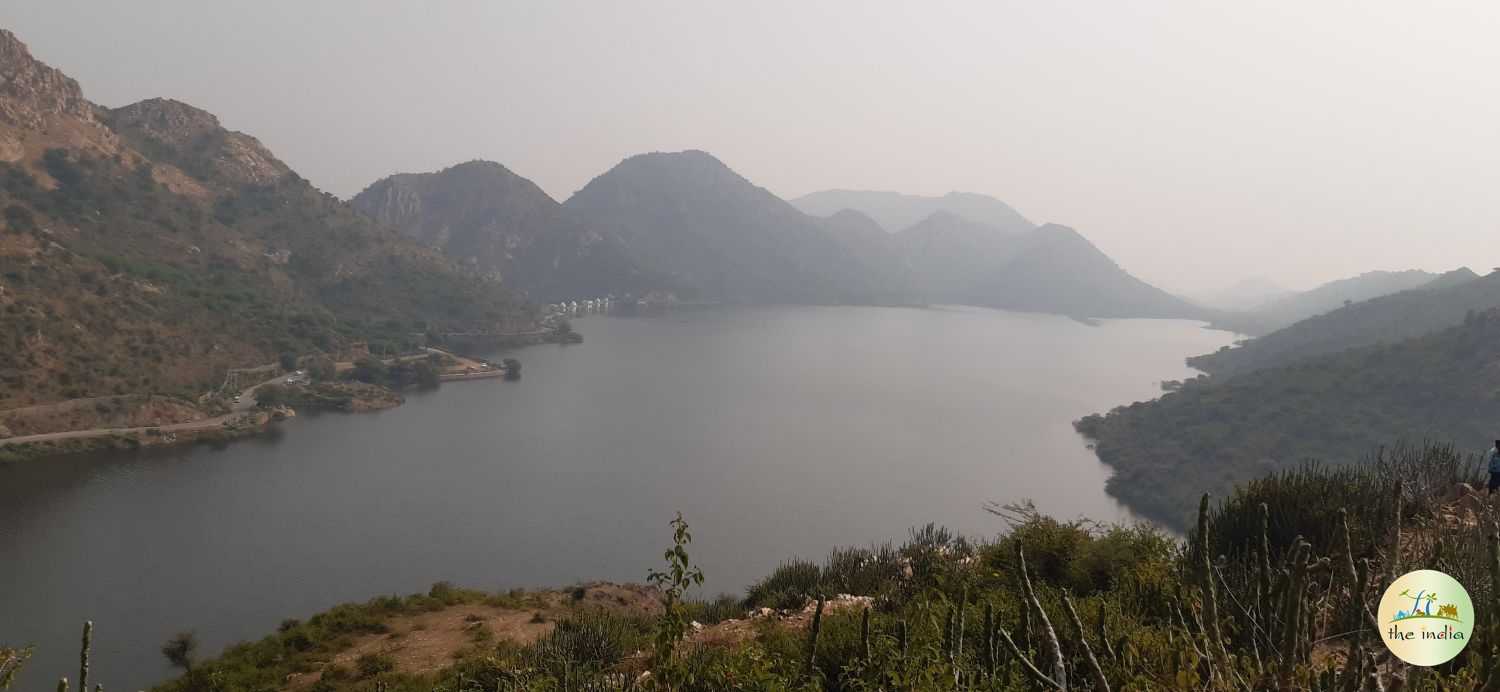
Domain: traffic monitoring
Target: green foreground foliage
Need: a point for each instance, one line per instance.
(1274, 589)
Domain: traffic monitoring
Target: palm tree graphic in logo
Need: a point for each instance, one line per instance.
(1418, 610)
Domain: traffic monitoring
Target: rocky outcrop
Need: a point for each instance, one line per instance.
(481, 214)
(180, 129)
(32, 93)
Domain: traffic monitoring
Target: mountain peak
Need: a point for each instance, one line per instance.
(168, 121)
(189, 131)
(895, 211)
(31, 92)
(687, 159)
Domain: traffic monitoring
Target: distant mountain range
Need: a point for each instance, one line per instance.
(711, 230)
(895, 211)
(148, 249)
(1294, 307)
(481, 214)
(1247, 294)
(684, 222)
(1437, 304)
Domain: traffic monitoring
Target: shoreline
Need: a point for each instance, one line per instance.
(244, 420)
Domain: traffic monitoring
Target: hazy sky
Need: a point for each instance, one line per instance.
(1197, 143)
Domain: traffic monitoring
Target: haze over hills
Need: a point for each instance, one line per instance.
(146, 248)
(480, 213)
(952, 256)
(1247, 294)
(685, 222)
(716, 233)
(1295, 307)
(1055, 269)
(895, 211)
(874, 248)
(1438, 304)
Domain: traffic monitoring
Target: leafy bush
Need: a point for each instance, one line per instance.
(373, 664)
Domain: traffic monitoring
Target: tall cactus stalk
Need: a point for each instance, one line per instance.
(958, 627)
(1100, 682)
(989, 640)
(1026, 629)
(1350, 678)
(1393, 548)
(1346, 552)
(1291, 608)
(1206, 588)
(948, 635)
(83, 656)
(1263, 568)
(1109, 650)
(812, 638)
(864, 636)
(1059, 668)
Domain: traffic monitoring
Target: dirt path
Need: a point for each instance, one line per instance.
(239, 410)
(427, 642)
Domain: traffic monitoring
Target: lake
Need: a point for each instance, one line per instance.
(779, 432)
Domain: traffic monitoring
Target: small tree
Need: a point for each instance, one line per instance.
(673, 584)
(424, 374)
(373, 664)
(321, 370)
(181, 649)
(370, 370)
(287, 361)
(10, 664)
(512, 369)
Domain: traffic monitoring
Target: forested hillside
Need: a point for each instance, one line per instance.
(1290, 309)
(1436, 305)
(1210, 436)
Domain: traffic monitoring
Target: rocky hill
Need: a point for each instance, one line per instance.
(718, 235)
(481, 214)
(952, 256)
(1055, 269)
(148, 249)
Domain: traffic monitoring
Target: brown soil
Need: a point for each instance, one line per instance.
(428, 642)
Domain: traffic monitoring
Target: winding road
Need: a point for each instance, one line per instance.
(246, 403)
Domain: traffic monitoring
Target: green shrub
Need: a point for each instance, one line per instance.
(373, 664)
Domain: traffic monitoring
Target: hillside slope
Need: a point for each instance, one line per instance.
(1439, 304)
(1293, 308)
(1055, 269)
(1208, 437)
(147, 248)
(481, 214)
(951, 256)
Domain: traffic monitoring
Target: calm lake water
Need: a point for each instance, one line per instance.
(779, 432)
